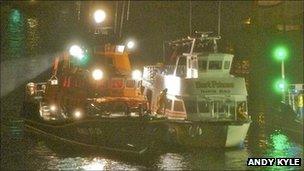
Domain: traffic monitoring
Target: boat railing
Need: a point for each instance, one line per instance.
(36, 89)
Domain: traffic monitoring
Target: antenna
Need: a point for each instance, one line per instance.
(115, 21)
(190, 17)
(128, 11)
(122, 18)
(219, 20)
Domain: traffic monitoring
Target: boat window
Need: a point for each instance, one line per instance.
(169, 104)
(222, 107)
(203, 107)
(232, 109)
(193, 64)
(226, 64)
(215, 65)
(202, 65)
(191, 106)
(130, 83)
(178, 106)
(117, 83)
(181, 67)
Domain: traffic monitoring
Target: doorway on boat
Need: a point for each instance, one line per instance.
(175, 108)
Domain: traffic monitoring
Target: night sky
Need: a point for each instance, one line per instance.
(150, 22)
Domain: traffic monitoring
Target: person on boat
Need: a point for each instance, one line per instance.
(162, 98)
(241, 112)
(300, 106)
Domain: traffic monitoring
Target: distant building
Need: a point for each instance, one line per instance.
(280, 15)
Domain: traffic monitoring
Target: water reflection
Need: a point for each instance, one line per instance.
(279, 141)
(262, 130)
(206, 159)
(280, 146)
(95, 164)
(172, 161)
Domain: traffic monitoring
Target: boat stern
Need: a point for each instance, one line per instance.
(236, 134)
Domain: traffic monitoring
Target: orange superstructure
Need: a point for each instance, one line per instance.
(107, 75)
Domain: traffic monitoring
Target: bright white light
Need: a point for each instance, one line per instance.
(172, 83)
(53, 108)
(77, 114)
(97, 74)
(120, 48)
(130, 44)
(76, 51)
(54, 82)
(136, 75)
(99, 16)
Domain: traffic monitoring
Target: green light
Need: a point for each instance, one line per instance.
(280, 85)
(15, 16)
(16, 34)
(280, 53)
(83, 60)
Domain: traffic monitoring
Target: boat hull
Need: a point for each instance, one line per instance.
(203, 134)
(130, 135)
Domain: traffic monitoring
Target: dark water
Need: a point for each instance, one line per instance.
(20, 151)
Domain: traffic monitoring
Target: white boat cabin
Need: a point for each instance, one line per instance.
(200, 87)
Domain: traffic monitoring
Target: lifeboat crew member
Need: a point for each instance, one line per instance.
(300, 105)
(162, 98)
(241, 112)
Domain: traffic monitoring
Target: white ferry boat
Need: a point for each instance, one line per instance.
(205, 104)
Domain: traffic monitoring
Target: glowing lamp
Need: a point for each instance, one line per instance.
(280, 53)
(136, 75)
(280, 85)
(77, 114)
(120, 48)
(97, 74)
(76, 51)
(99, 16)
(173, 83)
(130, 44)
(53, 108)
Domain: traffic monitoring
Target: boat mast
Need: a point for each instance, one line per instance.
(218, 27)
(190, 18)
(122, 18)
(115, 21)
(128, 11)
(219, 20)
